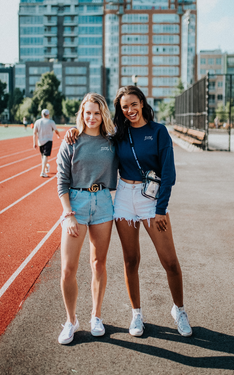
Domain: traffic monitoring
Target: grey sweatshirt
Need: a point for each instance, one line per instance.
(92, 159)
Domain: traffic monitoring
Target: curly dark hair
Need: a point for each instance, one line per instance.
(120, 120)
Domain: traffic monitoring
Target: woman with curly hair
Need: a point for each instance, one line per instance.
(87, 171)
(143, 145)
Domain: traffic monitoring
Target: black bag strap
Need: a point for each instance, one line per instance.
(143, 175)
(134, 153)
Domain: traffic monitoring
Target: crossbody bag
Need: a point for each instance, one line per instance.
(151, 182)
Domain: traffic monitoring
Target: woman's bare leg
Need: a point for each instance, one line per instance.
(99, 236)
(164, 244)
(129, 237)
(70, 253)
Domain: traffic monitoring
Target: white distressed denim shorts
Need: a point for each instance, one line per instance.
(91, 208)
(131, 205)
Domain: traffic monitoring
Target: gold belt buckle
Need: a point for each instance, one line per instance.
(93, 188)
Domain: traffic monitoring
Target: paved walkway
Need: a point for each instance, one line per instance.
(202, 216)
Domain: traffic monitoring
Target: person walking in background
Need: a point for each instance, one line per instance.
(25, 122)
(87, 171)
(216, 122)
(153, 148)
(43, 137)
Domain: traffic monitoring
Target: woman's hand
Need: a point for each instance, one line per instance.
(71, 136)
(72, 226)
(161, 222)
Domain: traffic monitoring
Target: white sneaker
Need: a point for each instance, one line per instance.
(47, 168)
(43, 175)
(181, 320)
(67, 334)
(97, 328)
(137, 326)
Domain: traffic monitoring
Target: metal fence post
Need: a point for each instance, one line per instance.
(207, 111)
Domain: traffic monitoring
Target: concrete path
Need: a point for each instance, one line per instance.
(202, 216)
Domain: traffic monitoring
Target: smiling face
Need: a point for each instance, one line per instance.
(92, 118)
(132, 109)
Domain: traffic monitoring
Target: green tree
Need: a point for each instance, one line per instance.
(3, 96)
(15, 99)
(70, 107)
(47, 91)
(168, 109)
(23, 110)
(222, 112)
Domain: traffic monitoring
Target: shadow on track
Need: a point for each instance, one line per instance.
(202, 337)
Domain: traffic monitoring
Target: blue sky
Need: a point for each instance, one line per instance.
(215, 27)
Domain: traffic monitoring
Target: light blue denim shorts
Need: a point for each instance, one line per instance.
(131, 205)
(91, 208)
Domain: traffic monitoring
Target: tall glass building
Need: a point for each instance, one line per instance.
(153, 39)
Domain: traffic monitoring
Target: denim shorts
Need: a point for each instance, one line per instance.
(91, 208)
(131, 205)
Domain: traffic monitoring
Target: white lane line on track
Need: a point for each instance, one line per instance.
(26, 195)
(27, 170)
(17, 161)
(15, 153)
(27, 260)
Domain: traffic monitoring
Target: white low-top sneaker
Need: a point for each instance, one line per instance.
(137, 326)
(181, 320)
(47, 169)
(67, 334)
(97, 328)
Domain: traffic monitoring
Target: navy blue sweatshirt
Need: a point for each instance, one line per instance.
(154, 150)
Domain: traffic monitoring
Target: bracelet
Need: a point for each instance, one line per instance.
(71, 213)
(66, 215)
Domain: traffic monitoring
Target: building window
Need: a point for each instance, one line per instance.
(134, 18)
(75, 70)
(132, 29)
(218, 61)
(39, 70)
(220, 97)
(166, 29)
(135, 39)
(220, 84)
(168, 18)
(134, 60)
(211, 61)
(203, 61)
(76, 80)
(166, 39)
(165, 71)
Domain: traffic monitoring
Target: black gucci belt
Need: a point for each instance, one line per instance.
(93, 189)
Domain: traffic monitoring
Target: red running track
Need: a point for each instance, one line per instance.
(29, 212)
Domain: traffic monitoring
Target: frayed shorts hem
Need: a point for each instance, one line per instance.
(133, 220)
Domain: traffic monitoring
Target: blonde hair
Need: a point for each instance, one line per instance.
(107, 126)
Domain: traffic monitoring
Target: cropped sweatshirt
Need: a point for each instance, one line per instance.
(154, 150)
(91, 159)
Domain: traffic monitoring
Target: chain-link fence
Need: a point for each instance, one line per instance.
(208, 105)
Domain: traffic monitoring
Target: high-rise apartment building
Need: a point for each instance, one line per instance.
(153, 39)
(212, 61)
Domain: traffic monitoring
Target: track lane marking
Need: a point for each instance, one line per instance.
(26, 195)
(18, 161)
(27, 170)
(16, 153)
(27, 260)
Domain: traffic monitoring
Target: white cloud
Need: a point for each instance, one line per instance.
(205, 6)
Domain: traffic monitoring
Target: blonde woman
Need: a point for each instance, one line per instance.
(87, 171)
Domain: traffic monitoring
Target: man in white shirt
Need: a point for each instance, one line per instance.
(43, 137)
